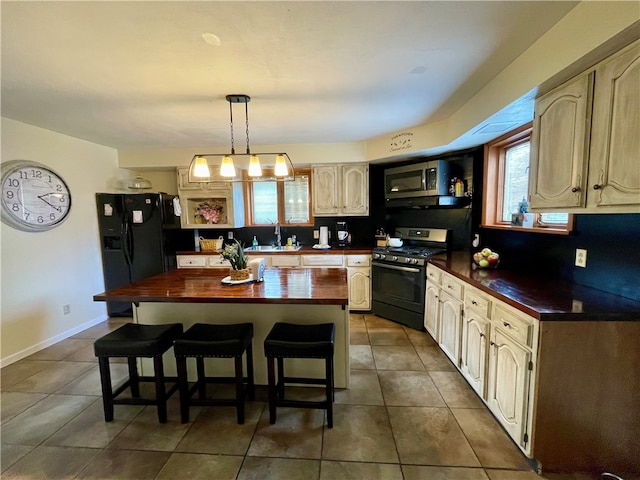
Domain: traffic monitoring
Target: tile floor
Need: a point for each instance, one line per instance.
(408, 415)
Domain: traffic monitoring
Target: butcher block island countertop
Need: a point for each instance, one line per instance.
(293, 295)
(316, 286)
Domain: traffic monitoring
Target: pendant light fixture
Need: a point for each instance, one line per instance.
(139, 183)
(204, 166)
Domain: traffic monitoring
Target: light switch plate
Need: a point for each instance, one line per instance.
(581, 258)
(316, 234)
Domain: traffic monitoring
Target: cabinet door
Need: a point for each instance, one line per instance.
(450, 318)
(560, 146)
(359, 288)
(473, 355)
(508, 390)
(325, 190)
(614, 172)
(355, 190)
(431, 308)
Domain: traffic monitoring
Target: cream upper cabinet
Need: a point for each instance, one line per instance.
(560, 146)
(585, 147)
(614, 169)
(340, 190)
(216, 204)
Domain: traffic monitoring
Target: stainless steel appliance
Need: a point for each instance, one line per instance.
(418, 180)
(398, 274)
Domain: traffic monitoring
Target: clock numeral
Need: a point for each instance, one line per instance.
(52, 216)
(15, 207)
(10, 194)
(14, 182)
(24, 175)
(40, 219)
(58, 188)
(36, 173)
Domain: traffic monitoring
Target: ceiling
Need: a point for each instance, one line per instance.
(155, 74)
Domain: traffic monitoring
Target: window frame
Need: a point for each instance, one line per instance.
(493, 183)
(248, 197)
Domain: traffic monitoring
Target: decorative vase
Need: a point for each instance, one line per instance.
(237, 275)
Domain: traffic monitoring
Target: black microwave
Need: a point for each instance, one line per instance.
(418, 180)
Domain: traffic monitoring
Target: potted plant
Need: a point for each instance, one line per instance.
(235, 254)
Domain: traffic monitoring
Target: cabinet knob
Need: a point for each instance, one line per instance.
(597, 187)
(482, 335)
(473, 302)
(506, 324)
(575, 189)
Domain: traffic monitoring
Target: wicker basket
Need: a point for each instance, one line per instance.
(242, 274)
(211, 245)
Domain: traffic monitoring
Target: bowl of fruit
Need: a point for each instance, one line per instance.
(486, 258)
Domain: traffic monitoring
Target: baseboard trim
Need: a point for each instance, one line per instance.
(50, 341)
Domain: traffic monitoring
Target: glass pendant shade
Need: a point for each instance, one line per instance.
(201, 168)
(139, 183)
(254, 166)
(281, 169)
(227, 169)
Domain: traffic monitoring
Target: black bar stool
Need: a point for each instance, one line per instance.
(218, 341)
(288, 340)
(134, 340)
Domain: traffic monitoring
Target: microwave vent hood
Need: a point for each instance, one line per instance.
(428, 202)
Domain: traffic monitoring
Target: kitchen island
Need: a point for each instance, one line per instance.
(300, 295)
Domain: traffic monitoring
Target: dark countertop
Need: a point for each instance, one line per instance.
(303, 251)
(312, 286)
(542, 298)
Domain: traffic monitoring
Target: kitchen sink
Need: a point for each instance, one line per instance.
(272, 248)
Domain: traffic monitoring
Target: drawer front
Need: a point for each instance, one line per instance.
(477, 301)
(451, 285)
(358, 260)
(434, 274)
(513, 324)
(322, 260)
(191, 261)
(285, 260)
(216, 261)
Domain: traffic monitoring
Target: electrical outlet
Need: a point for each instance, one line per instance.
(66, 309)
(316, 234)
(581, 258)
(230, 235)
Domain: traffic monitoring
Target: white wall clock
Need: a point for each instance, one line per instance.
(34, 197)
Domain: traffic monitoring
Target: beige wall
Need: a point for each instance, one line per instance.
(41, 272)
(582, 30)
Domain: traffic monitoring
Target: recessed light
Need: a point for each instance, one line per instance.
(211, 39)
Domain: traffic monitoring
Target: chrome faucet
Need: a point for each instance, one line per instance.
(278, 236)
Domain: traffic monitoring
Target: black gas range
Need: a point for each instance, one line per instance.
(398, 274)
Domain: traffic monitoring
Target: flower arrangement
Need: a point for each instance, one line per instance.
(235, 254)
(208, 211)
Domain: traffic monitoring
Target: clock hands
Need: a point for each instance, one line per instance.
(49, 203)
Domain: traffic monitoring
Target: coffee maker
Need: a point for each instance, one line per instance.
(342, 234)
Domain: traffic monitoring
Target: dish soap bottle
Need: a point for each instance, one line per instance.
(254, 243)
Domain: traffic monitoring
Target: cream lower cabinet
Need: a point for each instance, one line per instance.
(202, 261)
(475, 338)
(359, 273)
(492, 344)
(432, 303)
(450, 319)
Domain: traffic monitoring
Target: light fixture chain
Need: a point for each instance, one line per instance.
(246, 117)
(231, 117)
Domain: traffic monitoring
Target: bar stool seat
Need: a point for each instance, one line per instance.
(215, 341)
(133, 341)
(289, 340)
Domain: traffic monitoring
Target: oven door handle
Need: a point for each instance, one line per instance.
(395, 267)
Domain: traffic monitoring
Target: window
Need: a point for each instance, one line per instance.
(285, 202)
(506, 185)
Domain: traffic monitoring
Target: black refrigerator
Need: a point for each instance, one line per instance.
(139, 236)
